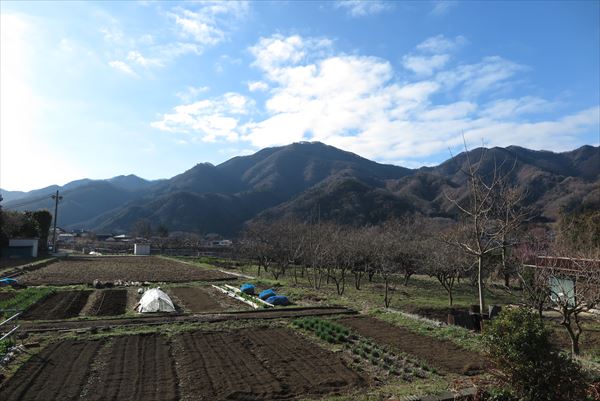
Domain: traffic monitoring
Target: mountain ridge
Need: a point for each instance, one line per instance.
(297, 179)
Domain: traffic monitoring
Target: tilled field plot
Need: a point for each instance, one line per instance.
(136, 367)
(257, 364)
(81, 270)
(205, 299)
(58, 372)
(441, 354)
(60, 305)
(109, 303)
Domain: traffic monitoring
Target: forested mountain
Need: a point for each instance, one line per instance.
(304, 180)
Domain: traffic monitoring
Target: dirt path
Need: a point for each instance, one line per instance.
(59, 305)
(259, 364)
(442, 354)
(57, 373)
(200, 318)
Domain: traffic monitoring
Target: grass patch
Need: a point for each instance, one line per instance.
(23, 299)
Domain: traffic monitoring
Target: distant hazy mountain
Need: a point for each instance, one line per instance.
(304, 179)
(82, 199)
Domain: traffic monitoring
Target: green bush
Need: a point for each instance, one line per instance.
(519, 346)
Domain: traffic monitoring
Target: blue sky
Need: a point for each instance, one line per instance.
(107, 88)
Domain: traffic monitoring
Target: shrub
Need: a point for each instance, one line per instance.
(519, 346)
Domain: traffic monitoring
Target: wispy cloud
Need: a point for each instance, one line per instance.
(441, 44)
(361, 8)
(198, 26)
(442, 7)
(257, 86)
(210, 23)
(191, 93)
(123, 67)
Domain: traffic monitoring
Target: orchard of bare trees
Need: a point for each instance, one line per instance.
(493, 241)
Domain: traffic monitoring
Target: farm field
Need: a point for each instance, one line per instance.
(84, 270)
(249, 364)
(135, 368)
(204, 299)
(59, 305)
(258, 364)
(442, 354)
(58, 372)
(109, 303)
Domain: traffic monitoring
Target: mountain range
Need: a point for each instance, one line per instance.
(306, 179)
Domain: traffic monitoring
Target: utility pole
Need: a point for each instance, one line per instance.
(56, 199)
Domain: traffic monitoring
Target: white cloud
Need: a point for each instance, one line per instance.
(507, 108)
(257, 86)
(490, 74)
(425, 65)
(358, 103)
(442, 7)
(191, 92)
(278, 50)
(138, 58)
(210, 23)
(122, 67)
(441, 44)
(361, 8)
(213, 119)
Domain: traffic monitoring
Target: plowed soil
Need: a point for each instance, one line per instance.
(138, 367)
(262, 364)
(173, 318)
(109, 303)
(205, 299)
(82, 270)
(444, 355)
(57, 373)
(59, 305)
(5, 296)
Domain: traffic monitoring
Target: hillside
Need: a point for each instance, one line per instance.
(305, 179)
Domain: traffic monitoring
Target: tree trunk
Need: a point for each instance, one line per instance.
(386, 300)
(480, 287)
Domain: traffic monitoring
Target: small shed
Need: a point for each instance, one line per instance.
(27, 248)
(141, 249)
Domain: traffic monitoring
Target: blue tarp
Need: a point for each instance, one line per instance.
(278, 300)
(267, 294)
(247, 289)
(7, 281)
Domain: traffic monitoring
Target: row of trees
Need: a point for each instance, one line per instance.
(326, 252)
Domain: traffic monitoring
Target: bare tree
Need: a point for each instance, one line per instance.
(534, 285)
(486, 222)
(362, 241)
(574, 287)
(257, 246)
(445, 264)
